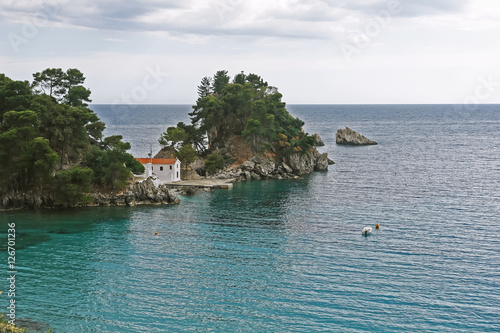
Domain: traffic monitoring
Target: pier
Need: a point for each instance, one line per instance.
(204, 183)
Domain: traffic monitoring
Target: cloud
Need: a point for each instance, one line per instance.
(424, 48)
(303, 19)
(409, 7)
(415, 8)
(117, 40)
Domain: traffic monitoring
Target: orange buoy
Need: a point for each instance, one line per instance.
(377, 226)
(156, 233)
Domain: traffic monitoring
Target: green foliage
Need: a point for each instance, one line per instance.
(68, 129)
(194, 136)
(5, 327)
(17, 134)
(112, 164)
(174, 136)
(186, 154)
(77, 96)
(46, 127)
(247, 106)
(205, 87)
(49, 82)
(95, 159)
(253, 131)
(14, 95)
(40, 160)
(72, 183)
(72, 78)
(111, 141)
(94, 131)
(214, 162)
(208, 113)
(240, 78)
(63, 86)
(220, 81)
(302, 143)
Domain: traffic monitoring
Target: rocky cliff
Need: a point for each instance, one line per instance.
(144, 193)
(319, 141)
(25, 200)
(269, 167)
(249, 165)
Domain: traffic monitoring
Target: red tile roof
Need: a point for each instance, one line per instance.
(157, 160)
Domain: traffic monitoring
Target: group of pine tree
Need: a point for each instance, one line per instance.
(50, 141)
(245, 106)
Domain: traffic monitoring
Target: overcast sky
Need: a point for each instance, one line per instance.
(314, 51)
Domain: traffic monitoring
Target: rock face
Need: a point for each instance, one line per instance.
(197, 165)
(144, 193)
(248, 164)
(349, 137)
(300, 163)
(269, 167)
(321, 161)
(263, 166)
(319, 141)
(22, 200)
(189, 174)
(166, 152)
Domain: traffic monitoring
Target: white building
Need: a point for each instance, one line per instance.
(167, 170)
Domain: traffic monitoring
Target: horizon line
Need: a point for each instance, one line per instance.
(311, 104)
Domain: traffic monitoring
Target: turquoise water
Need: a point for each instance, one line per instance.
(288, 256)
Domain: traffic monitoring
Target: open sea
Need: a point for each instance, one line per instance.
(285, 256)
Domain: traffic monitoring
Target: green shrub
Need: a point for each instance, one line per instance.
(72, 184)
(186, 154)
(214, 162)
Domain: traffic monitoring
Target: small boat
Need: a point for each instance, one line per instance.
(366, 231)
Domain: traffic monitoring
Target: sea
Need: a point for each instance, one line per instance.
(284, 255)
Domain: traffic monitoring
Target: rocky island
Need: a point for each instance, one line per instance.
(241, 130)
(349, 137)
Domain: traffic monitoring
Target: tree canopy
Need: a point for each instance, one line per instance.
(64, 86)
(246, 106)
(51, 141)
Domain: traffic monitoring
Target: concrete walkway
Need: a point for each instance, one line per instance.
(204, 183)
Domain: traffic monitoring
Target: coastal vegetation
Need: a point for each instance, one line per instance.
(7, 327)
(53, 152)
(246, 107)
(51, 142)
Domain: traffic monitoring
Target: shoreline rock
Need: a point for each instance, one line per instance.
(263, 167)
(256, 167)
(349, 137)
(319, 141)
(143, 193)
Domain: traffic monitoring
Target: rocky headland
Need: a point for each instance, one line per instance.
(240, 131)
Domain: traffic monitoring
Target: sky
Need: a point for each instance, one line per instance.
(314, 51)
